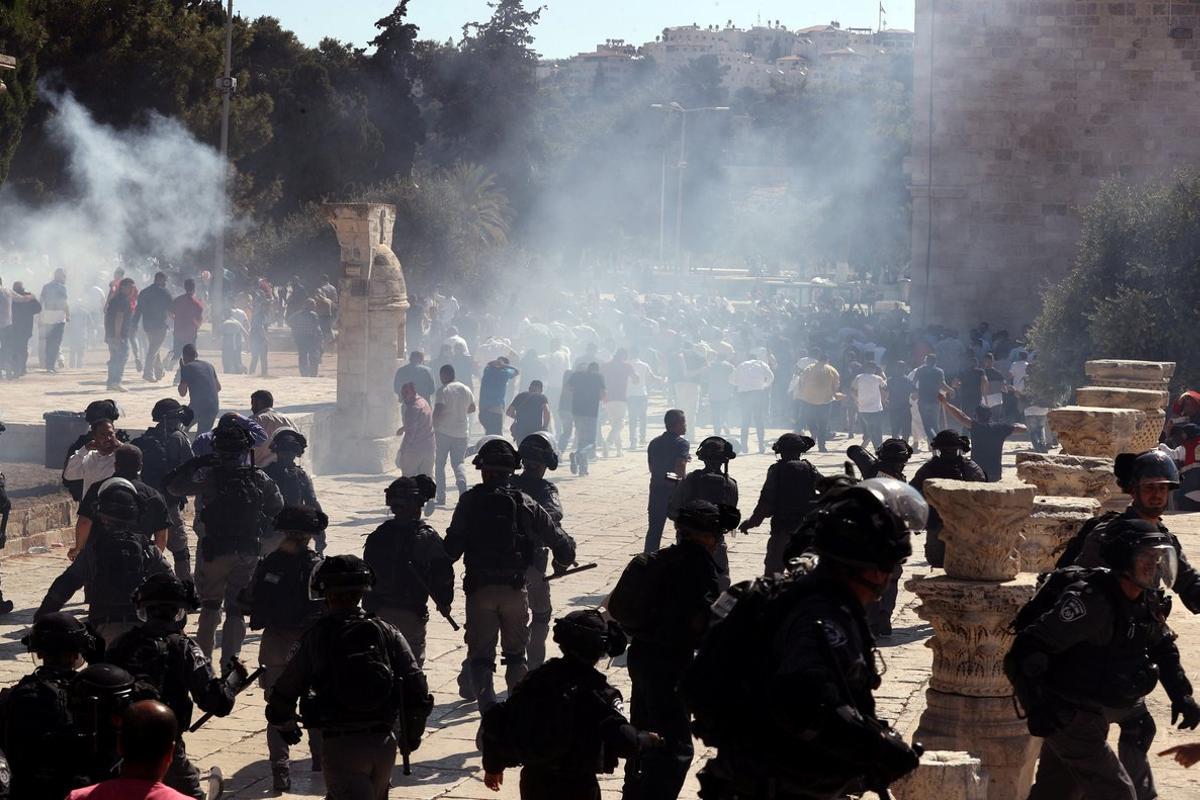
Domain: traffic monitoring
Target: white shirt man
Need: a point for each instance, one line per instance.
(753, 375)
(868, 392)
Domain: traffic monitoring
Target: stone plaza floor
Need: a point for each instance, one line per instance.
(605, 512)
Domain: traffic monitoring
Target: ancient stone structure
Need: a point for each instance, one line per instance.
(1094, 431)
(1153, 375)
(372, 309)
(944, 775)
(1140, 385)
(1046, 532)
(1067, 476)
(1020, 110)
(969, 700)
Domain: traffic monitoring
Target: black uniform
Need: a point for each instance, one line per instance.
(577, 697)
(162, 451)
(815, 733)
(541, 609)
(1093, 657)
(411, 565)
(47, 756)
(959, 468)
(687, 584)
(297, 490)
(159, 655)
(717, 488)
(338, 662)
(787, 494)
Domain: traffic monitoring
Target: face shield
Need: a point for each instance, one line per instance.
(901, 499)
(314, 593)
(162, 612)
(1154, 567)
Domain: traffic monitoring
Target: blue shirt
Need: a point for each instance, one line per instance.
(493, 385)
(664, 452)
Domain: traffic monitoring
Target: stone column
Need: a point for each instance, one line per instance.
(1094, 431)
(1130, 374)
(1150, 403)
(969, 700)
(372, 307)
(943, 775)
(1068, 476)
(1053, 523)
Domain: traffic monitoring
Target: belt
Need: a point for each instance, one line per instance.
(333, 733)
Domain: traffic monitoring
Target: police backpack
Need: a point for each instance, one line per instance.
(39, 726)
(498, 541)
(1075, 546)
(123, 561)
(535, 726)
(634, 601)
(155, 461)
(233, 513)
(155, 662)
(356, 681)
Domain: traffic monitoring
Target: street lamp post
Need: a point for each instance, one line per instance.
(226, 84)
(676, 108)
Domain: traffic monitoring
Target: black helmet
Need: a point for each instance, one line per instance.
(416, 490)
(167, 407)
(58, 634)
(117, 498)
(950, 440)
(165, 589)
(340, 572)
(714, 448)
(101, 409)
(289, 439)
(793, 443)
(308, 521)
(866, 526)
(497, 454)
(108, 683)
(894, 451)
(1152, 466)
(589, 635)
(536, 448)
(704, 516)
(1140, 551)
(230, 438)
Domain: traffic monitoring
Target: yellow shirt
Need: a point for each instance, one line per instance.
(818, 383)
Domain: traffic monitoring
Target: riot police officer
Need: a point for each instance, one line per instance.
(564, 722)
(538, 455)
(498, 528)
(410, 563)
(237, 503)
(1086, 655)
(278, 603)
(803, 725)
(159, 654)
(293, 480)
(712, 483)
(99, 695)
(361, 686)
(788, 493)
(37, 730)
(165, 447)
(889, 460)
(949, 461)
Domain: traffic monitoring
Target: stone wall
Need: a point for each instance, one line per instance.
(1034, 104)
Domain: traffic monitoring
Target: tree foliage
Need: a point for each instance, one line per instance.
(21, 36)
(1132, 291)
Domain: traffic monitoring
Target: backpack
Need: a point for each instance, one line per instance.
(357, 681)
(1050, 587)
(499, 540)
(1076, 543)
(281, 595)
(155, 661)
(634, 601)
(723, 683)
(36, 711)
(155, 461)
(535, 726)
(234, 510)
(122, 562)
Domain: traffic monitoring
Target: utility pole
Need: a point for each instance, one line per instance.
(227, 85)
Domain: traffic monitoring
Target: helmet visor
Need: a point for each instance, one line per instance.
(1154, 567)
(315, 593)
(901, 499)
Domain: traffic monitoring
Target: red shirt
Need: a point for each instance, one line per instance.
(127, 789)
(188, 313)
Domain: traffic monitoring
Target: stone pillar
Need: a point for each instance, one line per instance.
(372, 307)
(969, 700)
(1151, 404)
(1094, 431)
(1153, 375)
(1053, 523)
(943, 775)
(1068, 476)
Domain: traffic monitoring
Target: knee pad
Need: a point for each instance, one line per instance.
(512, 659)
(482, 663)
(1141, 731)
(542, 617)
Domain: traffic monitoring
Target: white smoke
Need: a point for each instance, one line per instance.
(152, 191)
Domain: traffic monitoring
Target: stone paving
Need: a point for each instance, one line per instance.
(605, 512)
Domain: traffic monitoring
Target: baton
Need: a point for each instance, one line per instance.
(402, 724)
(572, 571)
(425, 587)
(251, 678)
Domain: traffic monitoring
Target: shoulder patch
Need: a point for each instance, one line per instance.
(834, 634)
(1072, 609)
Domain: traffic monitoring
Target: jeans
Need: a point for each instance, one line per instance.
(454, 449)
(205, 417)
(153, 368)
(566, 426)
(637, 419)
(53, 336)
(661, 490)
(19, 345)
(901, 421)
(754, 412)
(1037, 432)
(585, 441)
(719, 408)
(614, 412)
(657, 705)
(872, 427)
(118, 355)
(1077, 762)
(687, 399)
(492, 421)
(930, 413)
(259, 349)
(818, 422)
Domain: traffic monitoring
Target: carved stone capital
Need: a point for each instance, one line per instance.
(1067, 476)
(1094, 431)
(1123, 372)
(945, 775)
(982, 525)
(1051, 526)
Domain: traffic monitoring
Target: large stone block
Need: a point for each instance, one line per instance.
(1122, 397)
(1094, 431)
(1067, 476)
(1051, 526)
(1125, 372)
(982, 525)
(944, 775)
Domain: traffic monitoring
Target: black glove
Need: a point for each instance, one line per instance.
(894, 759)
(235, 674)
(290, 732)
(1187, 708)
(648, 740)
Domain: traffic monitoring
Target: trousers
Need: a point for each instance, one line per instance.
(614, 412)
(1077, 762)
(152, 367)
(118, 355)
(657, 705)
(177, 542)
(540, 612)
(218, 582)
(182, 775)
(637, 419)
(411, 625)
(53, 336)
(358, 766)
(754, 413)
(453, 449)
(496, 611)
(274, 649)
(661, 490)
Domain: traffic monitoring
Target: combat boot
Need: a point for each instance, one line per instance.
(281, 778)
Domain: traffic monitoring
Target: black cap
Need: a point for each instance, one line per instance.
(293, 519)
(793, 443)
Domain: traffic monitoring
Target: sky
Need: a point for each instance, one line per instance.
(571, 26)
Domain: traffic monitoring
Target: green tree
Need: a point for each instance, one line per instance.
(21, 36)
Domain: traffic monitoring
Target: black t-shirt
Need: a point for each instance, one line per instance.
(929, 383)
(987, 445)
(528, 406)
(586, 387)
(899, 390)
(970, 393)
(201, 380)
(664, 452)
(154, 508)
